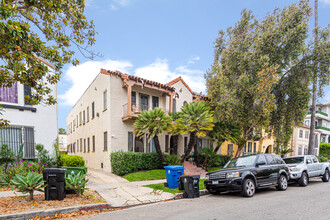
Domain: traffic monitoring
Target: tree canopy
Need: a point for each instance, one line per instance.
(261, 72)
(46, 29)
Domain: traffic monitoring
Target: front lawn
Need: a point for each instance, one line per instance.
(160, 186)
(146, 175)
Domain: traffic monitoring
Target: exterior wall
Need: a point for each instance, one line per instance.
(184, 95)
(44, 120)
(302, 142)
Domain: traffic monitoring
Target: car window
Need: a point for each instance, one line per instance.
(314, 159)
(241, 162)
(278, 160)
(294, 160)
(261, 159)
(270, 159)
(308, 160)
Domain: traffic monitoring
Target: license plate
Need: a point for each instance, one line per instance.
(215, 182)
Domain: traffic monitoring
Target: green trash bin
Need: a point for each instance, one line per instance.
(75, 170)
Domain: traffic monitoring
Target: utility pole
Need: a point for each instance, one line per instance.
(313, 110)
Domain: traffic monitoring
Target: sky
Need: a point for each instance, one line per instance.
(160, 40)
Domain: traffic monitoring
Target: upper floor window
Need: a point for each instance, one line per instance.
(105, 100)
(93, 110)
(230, 150)
(9, 94)
(27, 94)
(307, 122)
(174, 105)
(155, 102)
(80, 118)
(133, 100)
(301, 133)
(87, 112)
(84, 117)
(306, 134)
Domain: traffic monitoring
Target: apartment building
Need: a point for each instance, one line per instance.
(29, 125)
(300, 141)
(322, 120)
(102, 120)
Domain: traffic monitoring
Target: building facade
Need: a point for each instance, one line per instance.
(300, 141)
(63, 142)
(29, 125)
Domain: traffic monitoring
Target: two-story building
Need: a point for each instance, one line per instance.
(300, 141)
(29, 125)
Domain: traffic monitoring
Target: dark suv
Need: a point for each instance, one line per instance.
(248, 173)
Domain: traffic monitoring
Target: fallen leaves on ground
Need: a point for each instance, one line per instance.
(5, 189)
(18, 204)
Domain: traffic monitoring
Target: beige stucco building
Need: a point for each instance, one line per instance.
(102, 120)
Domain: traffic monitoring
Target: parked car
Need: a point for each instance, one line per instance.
(248, 173)
(304, 167)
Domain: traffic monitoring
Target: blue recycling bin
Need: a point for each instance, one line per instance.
(173, 174)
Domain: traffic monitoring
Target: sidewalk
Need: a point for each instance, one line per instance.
(119, 192)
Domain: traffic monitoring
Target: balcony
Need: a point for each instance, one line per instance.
(319, 112)
(322, 128)
(136, 109)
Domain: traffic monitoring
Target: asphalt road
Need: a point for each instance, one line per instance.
(311, 202)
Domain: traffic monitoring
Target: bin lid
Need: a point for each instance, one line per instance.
(176, 167)
(53, 170)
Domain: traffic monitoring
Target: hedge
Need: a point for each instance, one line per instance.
(123, 163)
(71, 161)
(325, 149)
(220, 161)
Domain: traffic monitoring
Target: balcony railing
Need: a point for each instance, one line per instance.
(319, 112)
(323, 128)
(136, 109)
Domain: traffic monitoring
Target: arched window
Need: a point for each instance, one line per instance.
(184, 103)
(174, 105)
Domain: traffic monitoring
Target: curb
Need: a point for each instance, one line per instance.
(201, 193)
(52, 212)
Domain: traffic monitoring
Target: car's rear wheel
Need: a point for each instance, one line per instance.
(282, 183)
(303, 181)
(325, 177)
(249, 188)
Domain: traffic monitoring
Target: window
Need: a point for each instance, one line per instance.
(9, 94)
(307, 122)
(93, 110)
(27, 94)
(324, 123)
(93, 139)
(270, 159)
(167, 137)
(301, 133)
(254, 147)
(308, 160)
(278, 160)
(314, 159)
(105, 139)
(305, 151)
(230, 150)
(84, 145)
(87, 112)
(80, 118)
(306, 134)
(74, 147)
(174, 105)
(184, 103)
(84, 117)
(299, 150)
(144, 102)
(88, 146)
(77, 121)
(133, 99)
(249, 147)
(130, 141)
(185, 144)
(323, 139)
(105, 100)
(139, 144)
(81, 145)
(155, 102)
(262, 159)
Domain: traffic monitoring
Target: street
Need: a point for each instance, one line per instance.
(311, 202)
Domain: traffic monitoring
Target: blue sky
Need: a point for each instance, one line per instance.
(159, 40)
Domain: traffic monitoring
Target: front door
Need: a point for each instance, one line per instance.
(144, 102)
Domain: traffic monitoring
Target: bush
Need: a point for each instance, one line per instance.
(43, 156)
(217, 161)
(6, 156)
(123, 163)
(173, 159)
(71, 161)
(207, 157)
(325, 150)
(323, 159)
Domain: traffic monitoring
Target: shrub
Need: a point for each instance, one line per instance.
(325, 150)
(43, 156)
(71, 161)
(207, 157)
(323, 159)
(217, 161)
(173, 159)
(6, 156)
(28, 183)
(123, 163)
(76, 182)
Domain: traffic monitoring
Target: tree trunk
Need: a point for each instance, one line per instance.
(192, 141)
(313, 110)
(174, 144)
(218, 147)
(31, 195)
(158, 149)
(196, 154)
(239, 151)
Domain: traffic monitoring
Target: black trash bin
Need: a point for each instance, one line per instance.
(190, 184)
(55, 180)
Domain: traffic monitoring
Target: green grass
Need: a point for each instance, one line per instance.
(160, 186)
(146, 175)
(214, 169)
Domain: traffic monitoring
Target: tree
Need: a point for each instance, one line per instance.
(30, 30)
(283, 151)
(261, 72)
(153, 123)
(196, 118)
(225, 131)
(61, 131)
(3, 122)
(175, 134)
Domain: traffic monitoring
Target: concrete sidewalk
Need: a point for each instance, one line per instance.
(119, 192)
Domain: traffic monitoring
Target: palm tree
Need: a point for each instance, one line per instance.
(224, 131)
(196, 118)
(153, 123)
(175, 134)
